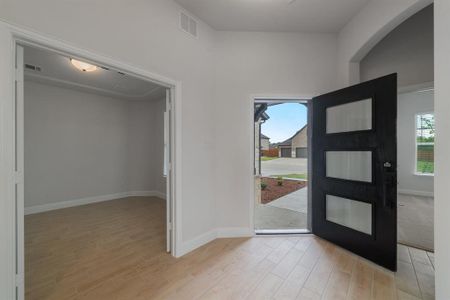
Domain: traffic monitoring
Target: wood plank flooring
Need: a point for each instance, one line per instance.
(115, 250)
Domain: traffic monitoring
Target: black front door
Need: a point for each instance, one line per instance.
(354, 185)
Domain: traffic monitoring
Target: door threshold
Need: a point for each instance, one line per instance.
(281, 231)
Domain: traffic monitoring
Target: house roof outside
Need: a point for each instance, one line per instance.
(288, 142)
(265, 137)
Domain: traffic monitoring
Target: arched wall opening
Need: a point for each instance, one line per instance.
(374, 22)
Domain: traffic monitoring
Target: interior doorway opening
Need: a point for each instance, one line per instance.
(416, 137)
(94, 154)
(281, 168)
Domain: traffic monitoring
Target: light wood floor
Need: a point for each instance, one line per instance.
(115, 250)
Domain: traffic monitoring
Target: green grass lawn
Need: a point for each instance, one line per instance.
(425, 167)
(294, 176)
(266, 158)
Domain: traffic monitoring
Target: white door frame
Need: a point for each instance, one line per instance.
(280, 99)
(12, 233)
(168, 169)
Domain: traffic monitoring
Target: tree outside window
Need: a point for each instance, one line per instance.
(425, 143)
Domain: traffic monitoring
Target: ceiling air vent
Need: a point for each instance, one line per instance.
(33, 68)
(188, 24)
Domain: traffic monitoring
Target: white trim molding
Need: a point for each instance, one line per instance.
(415, 193)
(155, 93)
(157, 194)
(89, 200)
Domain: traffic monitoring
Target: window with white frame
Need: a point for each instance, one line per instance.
(425, 144)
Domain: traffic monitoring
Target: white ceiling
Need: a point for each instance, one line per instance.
(58, 70)
(275, 15)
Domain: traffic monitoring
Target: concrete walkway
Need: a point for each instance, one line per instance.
(296, 201)
(283, 213)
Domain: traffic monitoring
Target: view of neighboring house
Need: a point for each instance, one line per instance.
(265, 142)
(295, 146)
(281, 185)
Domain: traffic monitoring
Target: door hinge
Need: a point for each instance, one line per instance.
(169, 226)
(18, 177)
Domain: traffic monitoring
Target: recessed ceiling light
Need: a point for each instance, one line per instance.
(83, 66)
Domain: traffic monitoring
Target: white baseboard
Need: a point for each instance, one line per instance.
(147, 194)
(225, 232)
(415, 193)
(88, 200)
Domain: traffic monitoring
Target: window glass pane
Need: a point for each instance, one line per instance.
(350, 165)
(350, 213)
(425, 143)
(352, 116)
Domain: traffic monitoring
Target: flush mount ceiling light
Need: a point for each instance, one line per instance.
(83, 66)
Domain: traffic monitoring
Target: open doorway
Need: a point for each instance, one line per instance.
(416, 136)
(94, 147)
(281, 166)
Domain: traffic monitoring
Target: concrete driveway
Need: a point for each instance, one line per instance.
(283, 165)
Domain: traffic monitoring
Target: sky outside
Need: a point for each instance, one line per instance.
(285, 120)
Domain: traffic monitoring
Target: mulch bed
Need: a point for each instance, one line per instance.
(274, 191)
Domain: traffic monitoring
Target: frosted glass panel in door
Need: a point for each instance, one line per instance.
(349, 165)
(350, 213)
(352, 116)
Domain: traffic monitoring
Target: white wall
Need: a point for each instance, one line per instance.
(80, 145)
(63, 157)
(366, 29)
(263, 64)
(406, 50)
(146, 146)
(410, 104)
(7, 178)
(146, 34)
(442, 147)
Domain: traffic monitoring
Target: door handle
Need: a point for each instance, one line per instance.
(388, 183)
